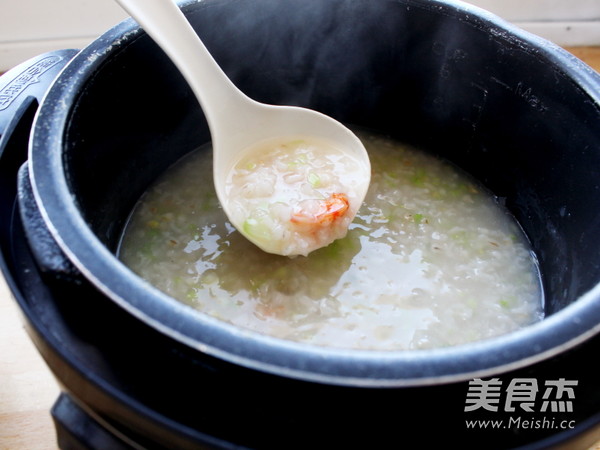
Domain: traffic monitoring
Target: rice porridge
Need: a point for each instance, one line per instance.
(430, 260)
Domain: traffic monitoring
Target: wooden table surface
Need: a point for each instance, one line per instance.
(28, 389)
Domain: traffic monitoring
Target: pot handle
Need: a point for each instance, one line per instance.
(48, 255)
(28, 82)
(21, 92)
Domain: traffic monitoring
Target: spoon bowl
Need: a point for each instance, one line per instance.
(237, 122)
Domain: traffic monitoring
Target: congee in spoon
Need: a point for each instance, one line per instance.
(432, 259)
(294, 196)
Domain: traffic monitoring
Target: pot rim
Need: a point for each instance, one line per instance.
(563, 330)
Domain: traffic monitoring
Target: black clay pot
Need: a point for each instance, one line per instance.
(516, 112)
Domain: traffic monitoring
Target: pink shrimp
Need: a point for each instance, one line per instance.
(329, 210)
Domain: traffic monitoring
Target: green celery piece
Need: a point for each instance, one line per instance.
(314, 179)
(419, 177)
(256, 229)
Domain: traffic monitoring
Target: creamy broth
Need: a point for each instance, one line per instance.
(430, 260)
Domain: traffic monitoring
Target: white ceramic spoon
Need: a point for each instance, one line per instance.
(236, 122)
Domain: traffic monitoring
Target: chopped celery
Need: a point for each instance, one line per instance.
(314, 179)
(256, 229)
(299, 161)
(508, 302)
(281, 273)
(419, 177)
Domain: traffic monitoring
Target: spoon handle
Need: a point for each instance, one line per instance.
(168, 27)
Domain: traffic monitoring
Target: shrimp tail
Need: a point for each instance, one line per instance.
(327, 212)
